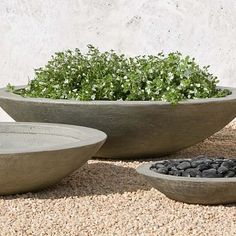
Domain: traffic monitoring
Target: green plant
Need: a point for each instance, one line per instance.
(108, 76)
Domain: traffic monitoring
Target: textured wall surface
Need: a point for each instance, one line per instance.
(30, 31)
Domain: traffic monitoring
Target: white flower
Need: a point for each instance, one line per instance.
(94, 88)
(150, 71)
(170, 76)
(148, 90)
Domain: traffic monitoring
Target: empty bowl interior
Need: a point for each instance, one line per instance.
(14, 141)
(16, 137)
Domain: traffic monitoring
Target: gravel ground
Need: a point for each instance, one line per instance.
(109, 198)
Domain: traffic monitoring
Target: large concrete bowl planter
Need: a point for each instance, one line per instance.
(192, 190)
(36, 155)
(134, 128)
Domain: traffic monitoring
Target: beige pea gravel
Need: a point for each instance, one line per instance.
(109, 198)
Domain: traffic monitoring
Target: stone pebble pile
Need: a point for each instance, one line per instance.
(200, 167)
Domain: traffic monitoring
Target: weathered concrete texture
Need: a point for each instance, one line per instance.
(33, 30)
(34, 155)
(192, 190)
(134, 128)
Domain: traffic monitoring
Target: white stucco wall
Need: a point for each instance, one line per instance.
(30, 31)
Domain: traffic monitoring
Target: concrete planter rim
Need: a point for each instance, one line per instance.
(92, 136)
(9, 95)
(144, 169)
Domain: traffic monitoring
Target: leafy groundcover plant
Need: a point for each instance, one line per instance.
(108, 76)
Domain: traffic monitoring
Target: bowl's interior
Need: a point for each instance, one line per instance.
(29, 137)
(16, 141)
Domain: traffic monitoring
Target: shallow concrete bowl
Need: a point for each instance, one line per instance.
(36, 155)
(135, 129)
(205, 191)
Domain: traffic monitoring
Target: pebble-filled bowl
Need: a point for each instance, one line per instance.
(201, 180)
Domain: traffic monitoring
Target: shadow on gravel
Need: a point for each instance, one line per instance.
(92, 179)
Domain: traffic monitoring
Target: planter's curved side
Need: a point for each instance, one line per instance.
(20, 173)
(192, 190)
(134, 129)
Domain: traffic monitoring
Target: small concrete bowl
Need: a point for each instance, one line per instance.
(206, 191)
(36, 155)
